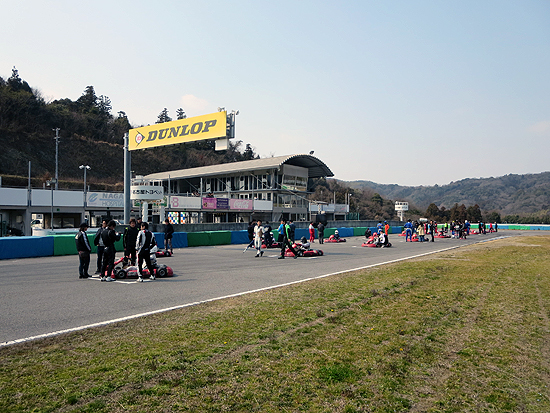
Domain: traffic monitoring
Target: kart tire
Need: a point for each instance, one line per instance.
(162, 272)
(320, 252)
(119, 273)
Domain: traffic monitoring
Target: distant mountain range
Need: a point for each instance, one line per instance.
(509, 194)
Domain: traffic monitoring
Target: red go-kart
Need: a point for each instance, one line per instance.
(163, 253)
(371, 243)
(123, 270)
(132, 272)
(333, 239)
(301, 252)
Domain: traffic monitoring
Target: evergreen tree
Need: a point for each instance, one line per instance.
(473, 213)
(15, 82)
(88, 101)
(180, 114)
(377, 199)
(248, 153)
(432, 212)
(163, 116)
(104, 105)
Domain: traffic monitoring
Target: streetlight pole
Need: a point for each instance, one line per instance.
(51, 183)
(86, 168)
(56, 157)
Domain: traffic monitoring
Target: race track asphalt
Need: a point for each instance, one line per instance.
(43, 296)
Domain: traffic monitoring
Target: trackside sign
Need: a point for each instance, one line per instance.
(179, 131)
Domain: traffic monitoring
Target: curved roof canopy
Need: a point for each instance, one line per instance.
(316, 168)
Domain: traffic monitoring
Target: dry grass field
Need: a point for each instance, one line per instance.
(461, 331)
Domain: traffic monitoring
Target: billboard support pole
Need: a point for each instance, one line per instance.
(127, 179)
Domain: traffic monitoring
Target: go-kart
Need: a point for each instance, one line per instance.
(442, 234)
(163, 253)
(123, 270)
(161, 271)
(301, 252)
(371, 243)
(333, 239)
(274, 244)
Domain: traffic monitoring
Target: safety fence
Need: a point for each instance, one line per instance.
(64, 244)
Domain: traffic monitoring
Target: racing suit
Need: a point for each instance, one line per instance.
(145, 241)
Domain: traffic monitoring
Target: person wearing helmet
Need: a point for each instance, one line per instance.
(336, 234)
(304, 246)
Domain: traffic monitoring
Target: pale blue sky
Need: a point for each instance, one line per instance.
(405, 92)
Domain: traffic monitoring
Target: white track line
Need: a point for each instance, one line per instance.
(116, 320)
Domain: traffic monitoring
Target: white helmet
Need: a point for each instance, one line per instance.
(336, 231)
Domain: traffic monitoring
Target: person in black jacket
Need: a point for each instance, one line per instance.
(168, 234)
(98, 242)
(84, 249)
(109, 237)
(129, 241)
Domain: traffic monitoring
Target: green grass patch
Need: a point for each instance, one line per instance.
(462, 331)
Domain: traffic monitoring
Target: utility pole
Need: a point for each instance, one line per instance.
(56, 158)
(127, 179)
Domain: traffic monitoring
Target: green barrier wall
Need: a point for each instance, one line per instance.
(64, 244)
(359, 231)
(196, 239)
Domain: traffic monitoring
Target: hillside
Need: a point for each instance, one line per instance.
(509, 194)
(89, 134)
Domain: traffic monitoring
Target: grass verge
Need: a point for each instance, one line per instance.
(461, 331)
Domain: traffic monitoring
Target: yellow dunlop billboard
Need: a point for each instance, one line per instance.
(179, 131)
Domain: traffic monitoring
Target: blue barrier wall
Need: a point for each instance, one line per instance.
(239, 237)
(26, 247)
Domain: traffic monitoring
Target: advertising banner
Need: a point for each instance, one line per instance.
(105, 199)
(222, 203)
(196, 128)
(146, 192)
(185, 202)
(241, 204)
(209, 203)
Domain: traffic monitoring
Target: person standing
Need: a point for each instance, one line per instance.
(433, 224)
(258, 232)
(286, 241)
(168, 234)
(311, 232)
(129, 241)
(321, 232)
(98, 242)
(145, 241)
(280, 232)
(84, 249)
(109, 237)
(421, 232)
(292, 231)
(250, 230)
(268, 235)
(408, 230)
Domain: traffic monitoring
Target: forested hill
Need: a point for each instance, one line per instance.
(89, 135)
(509, 194)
